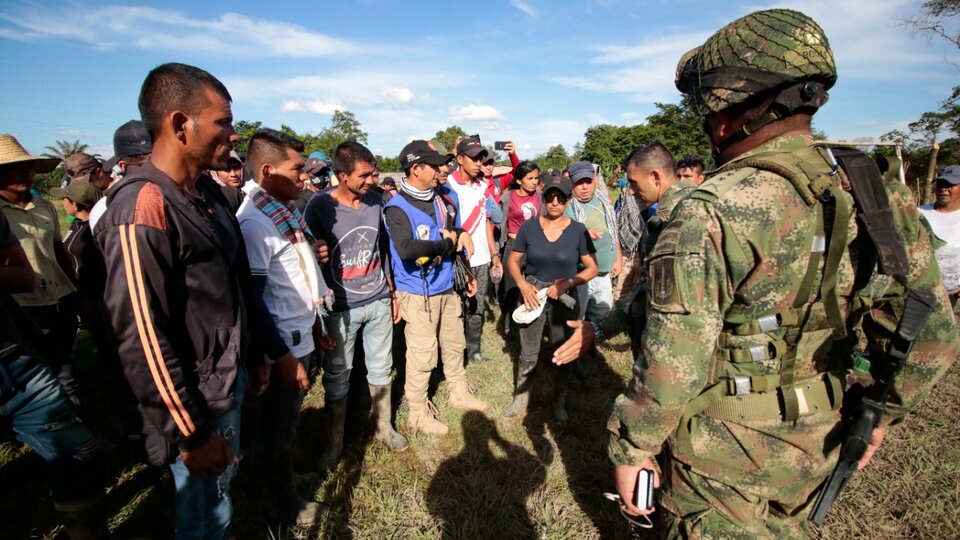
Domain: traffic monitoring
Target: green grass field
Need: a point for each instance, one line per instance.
(491, 477)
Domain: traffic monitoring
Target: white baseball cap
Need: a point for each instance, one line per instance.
(524, 315)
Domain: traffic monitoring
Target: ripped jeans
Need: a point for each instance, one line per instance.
(202, 506)
(43, 418)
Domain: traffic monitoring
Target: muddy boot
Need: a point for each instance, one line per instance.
(461, 397)
(560, 397)
(331, 455)
(521, 398)
(282, 500)
(83, 520)
(382, 407)
(424, 417)
(472, 334)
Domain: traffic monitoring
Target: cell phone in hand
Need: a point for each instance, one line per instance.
(643, 498)
(500, 145)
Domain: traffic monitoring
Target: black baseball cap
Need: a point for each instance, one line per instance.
(470, 146)
(557, 182)
(421, 151)
(132, 139)
(314, 166)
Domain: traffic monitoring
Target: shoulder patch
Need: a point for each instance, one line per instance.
(149, 210)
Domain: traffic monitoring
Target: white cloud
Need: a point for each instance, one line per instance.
(318, 107)
(525, 7)
(229, 34)
(395, 93)
(75, 133)
(350, 89)
(875, 48)
(474, 112)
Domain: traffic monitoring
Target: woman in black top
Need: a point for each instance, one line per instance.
(554, 245)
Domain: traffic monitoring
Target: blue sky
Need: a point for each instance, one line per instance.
(535, 71)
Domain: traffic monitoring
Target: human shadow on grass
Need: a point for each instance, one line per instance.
(336, 490)
(482, 491)
(581, 440)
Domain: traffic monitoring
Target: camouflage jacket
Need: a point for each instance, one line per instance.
(744, 254)
(625, 313)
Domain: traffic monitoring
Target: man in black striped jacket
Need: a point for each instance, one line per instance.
(178, 289)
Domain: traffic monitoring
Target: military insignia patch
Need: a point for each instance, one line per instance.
(666, 294)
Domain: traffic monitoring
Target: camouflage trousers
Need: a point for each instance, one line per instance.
(766, 489)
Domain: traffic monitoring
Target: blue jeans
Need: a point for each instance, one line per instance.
(376, 319)
(43, 418)
(595, 298)
(202, 506)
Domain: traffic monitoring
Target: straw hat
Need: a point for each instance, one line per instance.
(12, 152)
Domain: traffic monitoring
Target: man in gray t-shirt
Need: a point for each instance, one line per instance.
(349, 217)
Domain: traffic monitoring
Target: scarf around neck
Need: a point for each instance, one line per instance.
(291, 225)
(419, 194)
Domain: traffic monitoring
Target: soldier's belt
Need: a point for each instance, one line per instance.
(758, 399)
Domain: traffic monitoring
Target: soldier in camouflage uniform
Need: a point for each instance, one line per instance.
(758, 301)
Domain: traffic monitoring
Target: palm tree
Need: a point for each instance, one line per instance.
(64, 149)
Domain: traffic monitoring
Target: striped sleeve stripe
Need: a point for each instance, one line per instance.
(147, 332)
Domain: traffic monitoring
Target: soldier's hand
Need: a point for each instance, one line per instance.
(292, 374)
(875, 439)
(625, 477)
(211, 459)
(579, 342)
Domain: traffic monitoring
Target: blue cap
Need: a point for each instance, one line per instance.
(581, 170)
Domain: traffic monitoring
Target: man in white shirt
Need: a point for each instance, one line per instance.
(944, 219)
(472, 191)
(290, 291)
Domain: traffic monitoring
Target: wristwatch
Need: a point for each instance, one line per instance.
(569, 283)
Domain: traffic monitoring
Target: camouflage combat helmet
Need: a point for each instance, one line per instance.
(762, 52)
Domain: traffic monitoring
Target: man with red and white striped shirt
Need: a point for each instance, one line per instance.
(472, 190)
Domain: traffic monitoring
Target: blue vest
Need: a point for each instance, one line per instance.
(406, 273)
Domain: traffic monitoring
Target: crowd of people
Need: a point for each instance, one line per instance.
(206, 277)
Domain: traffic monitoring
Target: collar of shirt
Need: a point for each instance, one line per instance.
(458, 178)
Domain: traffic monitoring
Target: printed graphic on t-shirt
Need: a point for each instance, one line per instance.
(529, 210)
(357, 261)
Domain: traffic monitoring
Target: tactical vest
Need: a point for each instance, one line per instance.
(740, 389)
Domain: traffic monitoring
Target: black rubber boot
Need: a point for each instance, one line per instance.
(84, 520)
(521, 398)
(338, 414)
(283, 502)
(473, 330)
